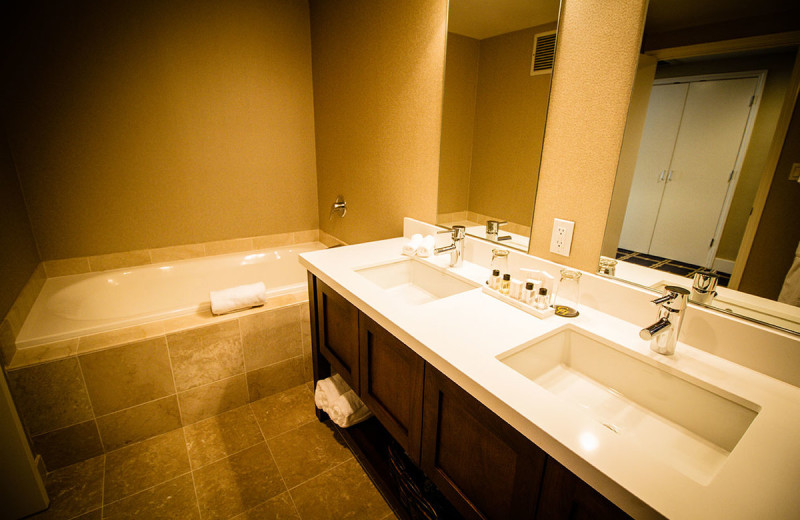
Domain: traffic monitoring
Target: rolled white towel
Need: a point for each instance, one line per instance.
(427, 247)
(411, 246)
(237, 298)
(328, 390)
(348, 410)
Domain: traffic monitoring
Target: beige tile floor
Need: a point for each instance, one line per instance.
(270, 459)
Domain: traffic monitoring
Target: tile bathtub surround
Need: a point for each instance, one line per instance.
(80, 265)
(128, 375)
(225, 467)
(99, 401)
(50, 396)
(270, 337)
(12, 322)
(206, 354)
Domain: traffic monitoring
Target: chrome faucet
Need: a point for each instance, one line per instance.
(663, 334)
(456, 248)
(493, 230)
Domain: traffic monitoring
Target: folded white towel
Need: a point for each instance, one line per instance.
(427, 247)
(348, 410)
(237, 298)
(411, 246)
(328, 390)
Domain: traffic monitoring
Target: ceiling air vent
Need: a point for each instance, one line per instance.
(544, 52)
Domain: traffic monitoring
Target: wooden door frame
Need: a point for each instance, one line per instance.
(771, 164)
(761, 77)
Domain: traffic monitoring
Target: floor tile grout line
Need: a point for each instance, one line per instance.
(261, 431)
(99, 436)
(272, 456)
(191, 473)
(351, 457)
(146, 489)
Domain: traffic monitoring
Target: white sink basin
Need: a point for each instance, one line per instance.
(688, 424)
(414, 282)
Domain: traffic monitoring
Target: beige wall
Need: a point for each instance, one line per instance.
(145, 124)
(592, 81)
(778, 233)
(511, 108)
(779, 69)
(378, 79)
(458, 122)
(18, 255)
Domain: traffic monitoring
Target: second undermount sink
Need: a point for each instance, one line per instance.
(414, 282)
(688, 424)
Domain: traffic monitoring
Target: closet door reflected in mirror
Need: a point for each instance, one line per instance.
(497, 85)
(704, 177)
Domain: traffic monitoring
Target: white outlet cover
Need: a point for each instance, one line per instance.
(561, 240)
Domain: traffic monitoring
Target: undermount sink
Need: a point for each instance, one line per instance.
(689, 425)
(414, 282)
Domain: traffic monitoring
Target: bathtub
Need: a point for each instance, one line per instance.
(84, 304)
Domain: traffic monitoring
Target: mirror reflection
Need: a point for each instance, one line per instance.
(704, 195)
(497, 85)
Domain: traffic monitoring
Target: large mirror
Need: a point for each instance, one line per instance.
(497, 86)
(705, 173)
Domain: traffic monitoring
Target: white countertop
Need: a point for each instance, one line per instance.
(461, 336)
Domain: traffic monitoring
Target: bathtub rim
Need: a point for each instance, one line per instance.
(58, 350)
(59, 346)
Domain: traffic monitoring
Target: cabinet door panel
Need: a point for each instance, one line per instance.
(485, 467)
(566, 496)
(338, 333)
(391, 384)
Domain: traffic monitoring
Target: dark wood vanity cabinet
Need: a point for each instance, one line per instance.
(566, 496)
(391, 384)
(484, 466)
(338, 333)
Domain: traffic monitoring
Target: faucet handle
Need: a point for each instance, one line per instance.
(663, 299)
(457, 232)
(672, 293)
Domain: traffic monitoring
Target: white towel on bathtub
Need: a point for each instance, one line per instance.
(238, 298)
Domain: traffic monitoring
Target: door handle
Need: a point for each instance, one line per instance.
(661, 177)
(669, 176)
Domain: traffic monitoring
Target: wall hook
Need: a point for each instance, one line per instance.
(339, 207)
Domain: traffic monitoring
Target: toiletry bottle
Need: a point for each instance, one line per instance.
(505, 285)
(528, 295)
(516, 289)
(541, 299)
(494, 280)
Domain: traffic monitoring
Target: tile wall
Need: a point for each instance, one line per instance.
(97, 400)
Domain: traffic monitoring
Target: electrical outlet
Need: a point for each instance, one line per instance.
(561, 240)
(794, 174)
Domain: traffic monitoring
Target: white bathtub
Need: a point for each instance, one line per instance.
(78, 305)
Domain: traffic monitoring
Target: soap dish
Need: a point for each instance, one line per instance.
(530, 309)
